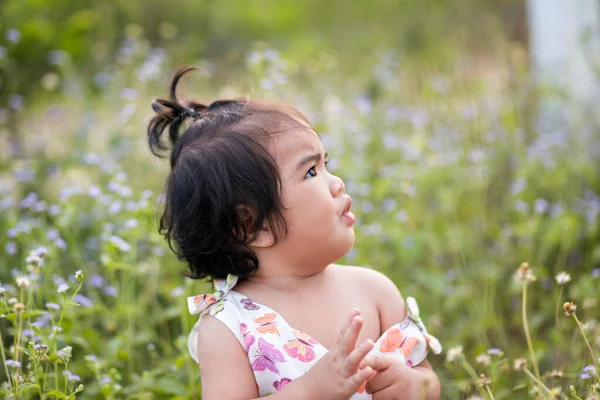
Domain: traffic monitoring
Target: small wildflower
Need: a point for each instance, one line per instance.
(556, 373)
(65, 352)
(120, 243)
(52, 306)
(519, 364)
(19, 307)
(34, 260)
(555, 392)
(484, 381)
(563, 278)
(483, 359)
(40, 347)
(97, 280)
(524, 273)
(13, 364)
(495, 351)
(111, 291)
(62, 288)
(70, 376)
(569, 308)
(40, 252)
(79, 275)
(454, 353)
(23, 282)
(2, 290)
(82, 300)
(590, 369)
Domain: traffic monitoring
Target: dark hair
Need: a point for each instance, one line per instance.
(223, 186)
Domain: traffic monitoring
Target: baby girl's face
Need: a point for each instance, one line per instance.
(320, 231)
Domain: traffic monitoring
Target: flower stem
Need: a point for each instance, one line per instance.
(594, 361)
(4, 360)
(526, 328)
(487, 388)
(20, 329)
(538, 382)
(471, 372)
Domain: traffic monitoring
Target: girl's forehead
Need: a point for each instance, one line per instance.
(293, 145)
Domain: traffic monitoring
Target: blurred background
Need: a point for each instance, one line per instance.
(466, 132)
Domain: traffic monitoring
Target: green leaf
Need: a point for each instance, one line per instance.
(57, 394)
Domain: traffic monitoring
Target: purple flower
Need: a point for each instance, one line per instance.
(96, 280)
(495, 351)
(70, 376)
(82, 300)
(596, 273)
(52, 306)
(111, 291)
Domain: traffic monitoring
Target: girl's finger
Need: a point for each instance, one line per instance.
(348, 342)
(354, 359)
(360, 377)
(347, 324)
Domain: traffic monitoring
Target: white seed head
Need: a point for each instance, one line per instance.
(23, 282)
(563, 278)
(454, 353)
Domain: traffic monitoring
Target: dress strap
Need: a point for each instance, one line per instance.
(413, 313)
(199, 303)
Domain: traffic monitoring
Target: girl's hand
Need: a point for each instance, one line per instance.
(394, 380)
(341, 372)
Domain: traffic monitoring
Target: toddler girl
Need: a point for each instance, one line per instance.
(249, 203)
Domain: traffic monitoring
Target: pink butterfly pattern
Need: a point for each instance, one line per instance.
(280, 384)
(249, 339)
(267, 357)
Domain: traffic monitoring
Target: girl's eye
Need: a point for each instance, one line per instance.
(311, 173)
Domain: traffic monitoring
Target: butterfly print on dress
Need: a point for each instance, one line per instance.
(267, 357)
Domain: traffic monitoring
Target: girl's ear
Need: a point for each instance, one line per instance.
(264, 237)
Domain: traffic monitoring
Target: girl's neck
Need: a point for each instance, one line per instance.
(281, 282)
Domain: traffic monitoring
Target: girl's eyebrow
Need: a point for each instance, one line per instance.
(316, 157)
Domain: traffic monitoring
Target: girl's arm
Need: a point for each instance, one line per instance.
(392, 309)
(225, 370)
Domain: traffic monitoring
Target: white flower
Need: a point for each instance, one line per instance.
(524, 273)
(79, 275)
(519, 364)
(483, 359)
(13, 363)
(454, 353)
(120, 243)
(63, 287)
(23, 282)
(563, 278)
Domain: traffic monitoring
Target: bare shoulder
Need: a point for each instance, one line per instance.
(389, 300)
(223, 360)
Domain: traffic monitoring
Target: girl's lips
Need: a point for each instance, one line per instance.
(348, 205)
(348, 216)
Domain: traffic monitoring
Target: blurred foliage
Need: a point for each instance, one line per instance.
(427, 112)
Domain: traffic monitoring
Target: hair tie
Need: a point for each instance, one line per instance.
(191, 112)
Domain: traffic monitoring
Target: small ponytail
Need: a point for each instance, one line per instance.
(171, 114)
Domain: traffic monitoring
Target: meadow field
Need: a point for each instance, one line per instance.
(475, 190)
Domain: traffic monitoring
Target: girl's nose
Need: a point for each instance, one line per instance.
(338, 187)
